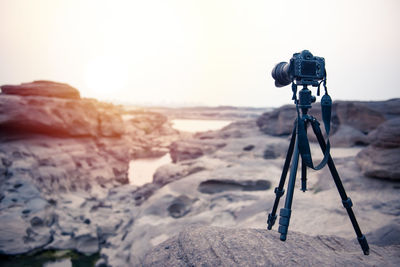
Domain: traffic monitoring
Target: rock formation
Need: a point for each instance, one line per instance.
(216, 246)
(60, 156)
(351, 120)
(42, 88)
(381, 158)
(65, 187)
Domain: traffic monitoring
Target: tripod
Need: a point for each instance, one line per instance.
(299, 146)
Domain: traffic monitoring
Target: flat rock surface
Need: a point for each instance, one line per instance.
(42, 88)
(216, 246)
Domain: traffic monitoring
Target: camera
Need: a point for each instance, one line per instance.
(305, 68)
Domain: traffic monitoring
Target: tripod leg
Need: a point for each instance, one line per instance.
(286, 211)
(303, 177)
(345, 199)
(279, 191)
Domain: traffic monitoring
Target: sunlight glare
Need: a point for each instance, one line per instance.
(106, 77)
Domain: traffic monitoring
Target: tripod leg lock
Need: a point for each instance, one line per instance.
(347, 203)
(278, 192)
(284, 222)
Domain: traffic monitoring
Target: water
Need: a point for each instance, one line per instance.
(141, 171)
(49, 258)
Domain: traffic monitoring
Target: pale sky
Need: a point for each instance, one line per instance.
(207, 52)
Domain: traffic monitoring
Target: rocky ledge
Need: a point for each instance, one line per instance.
(60, 155)
(216, 246)
(354, 123)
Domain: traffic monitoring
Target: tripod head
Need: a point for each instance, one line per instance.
(305, 98)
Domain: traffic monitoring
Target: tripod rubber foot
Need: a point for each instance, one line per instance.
(364, 244)
(283, 237)
(303, 185)
(271, 221)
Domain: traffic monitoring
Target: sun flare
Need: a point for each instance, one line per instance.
(106, 76)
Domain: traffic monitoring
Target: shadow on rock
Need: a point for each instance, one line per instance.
(217, 186)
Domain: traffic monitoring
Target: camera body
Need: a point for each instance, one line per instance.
(305, 68)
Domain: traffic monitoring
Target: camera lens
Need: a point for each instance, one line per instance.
(281, 75)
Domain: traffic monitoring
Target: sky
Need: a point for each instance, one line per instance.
(205, 52)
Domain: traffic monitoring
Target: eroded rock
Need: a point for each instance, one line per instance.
(42, 88)
(382, 158)
(214, 246)
(214, 186)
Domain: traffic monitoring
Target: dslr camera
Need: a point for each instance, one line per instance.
(305, 68)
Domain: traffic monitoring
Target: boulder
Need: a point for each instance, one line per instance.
(387, 135)
(17, 236)
(172, 172)
(279, 121)
(192, 148)
(57, 117)
(380, 162)
(358, 115)
(382, 158)
(351, 121)
(42, 88)
(215, 246)
(214, 186)
(347, 136)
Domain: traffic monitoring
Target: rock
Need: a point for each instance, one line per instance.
(214, 186)
(350, 121)
(87, 244)
(382, 158)
(214, 246)
(358, 115)
(389, 108)
(279, 121)
(347, 136)
(180, 206)
(380, 162)
(16, 235)
(172, 172)
(42, 88)
(386, 235)
(275, 150)
(387, 135)
(144, 192)
(57, 117)
(191, 149)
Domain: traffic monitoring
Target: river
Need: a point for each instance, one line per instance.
(141, 170)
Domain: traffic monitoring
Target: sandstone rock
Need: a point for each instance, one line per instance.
(275, 150)
(213, 246)
(386, 235)
(16, 235)
(279, 121)
(362, 117)
(171, 172)
(42, 88)
(191, 149)
(358, 115)
(347, 136)
(382, 158)
(380, 162)
(57, 117)
(180, 206)
(387, 135)
(389, 109)
(214, 186)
